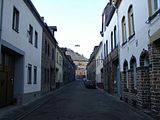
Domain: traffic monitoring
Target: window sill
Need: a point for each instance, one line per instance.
(16, 30)
(153, 16)
(131, 36)
(124, 43)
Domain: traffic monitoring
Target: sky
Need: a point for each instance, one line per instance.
(78, 22)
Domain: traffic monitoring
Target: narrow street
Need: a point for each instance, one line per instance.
(75, 102)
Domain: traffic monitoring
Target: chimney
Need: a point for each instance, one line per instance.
(53, 29)
(42, 18)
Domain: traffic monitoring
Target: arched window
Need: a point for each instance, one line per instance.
(124, 34)
(106, 47)
(133, 66)
(131, 21)
(115, 37)
(144, 58)
(104, 50)
(111, 41)
(125, 70)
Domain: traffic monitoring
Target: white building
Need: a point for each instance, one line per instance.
(133, 32)
(110, 49)
(138, 33)
(99, 66)
(21, 52)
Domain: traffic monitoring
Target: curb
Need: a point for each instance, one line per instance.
(19, 112)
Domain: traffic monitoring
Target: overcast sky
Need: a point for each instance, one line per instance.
(77, 21)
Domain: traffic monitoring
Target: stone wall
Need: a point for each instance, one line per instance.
(154, 73)
(143, 87)
(147, 93)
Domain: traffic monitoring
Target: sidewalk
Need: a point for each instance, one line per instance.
(14, 112)
(139, 111)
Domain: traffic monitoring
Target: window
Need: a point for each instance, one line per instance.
(45, 46)
(107, 47)
(48, 50)
(104, 50)
(57, 57)
(124, 34)
(45, 75)
(135, 75)
(52, 54)
(15, 22)
(29, 74)
(61, 60)
(115, 37)
(36, 39)
(35, 74)
(133, 66)
(156, 5)
(111, 41)
(125, 69)
(131, 21)
(30, 32)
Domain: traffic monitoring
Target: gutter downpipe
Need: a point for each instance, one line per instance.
(1, 17)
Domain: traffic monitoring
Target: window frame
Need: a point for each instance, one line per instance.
(53, 53)
(29, 74)
(35, 75)
(107, 47)
(131, 26)
(124, 32)
(36, 39)
(111, 40)
(15, 19)
(115, 37)
(30, 33)
(157, 5)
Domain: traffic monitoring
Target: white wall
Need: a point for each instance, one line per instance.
(99, 58)
(140, 40)
(107, 33)
(20, 40)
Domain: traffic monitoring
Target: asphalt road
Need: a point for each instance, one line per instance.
(75, 102)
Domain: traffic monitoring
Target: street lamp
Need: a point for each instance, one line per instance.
(77, 45)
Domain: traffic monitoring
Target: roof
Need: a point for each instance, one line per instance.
(34, 11)
(75, 56)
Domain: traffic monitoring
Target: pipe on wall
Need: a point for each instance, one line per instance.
(1, 17)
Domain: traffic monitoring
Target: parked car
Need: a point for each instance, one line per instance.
(90, 83)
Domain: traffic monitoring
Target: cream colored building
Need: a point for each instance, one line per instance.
(81, 71)
(59, 67)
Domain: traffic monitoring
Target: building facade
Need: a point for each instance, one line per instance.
(48, 65)
(138, 34)
(81, 71)
(59, 67)
(110, 50)
(69, 67)
(99, 66)
(91, 66)
(21, 41)
(80, 61)
(134, 52)
(153, 23)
